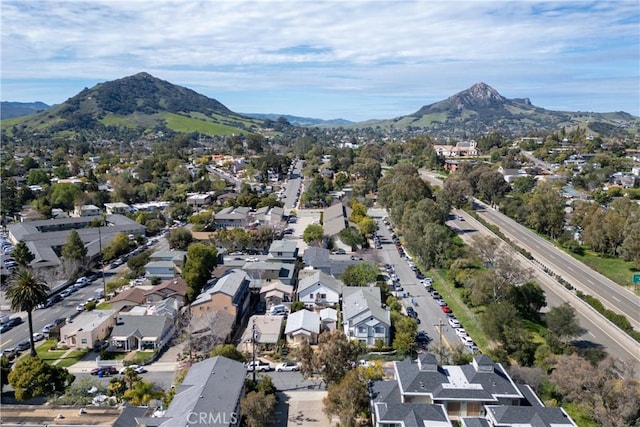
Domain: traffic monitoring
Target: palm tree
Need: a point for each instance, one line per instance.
(26, 291)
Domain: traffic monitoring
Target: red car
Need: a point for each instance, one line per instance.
(446, 309)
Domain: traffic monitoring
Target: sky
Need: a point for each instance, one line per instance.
(349, 59)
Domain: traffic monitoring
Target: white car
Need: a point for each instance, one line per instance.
(461, 332)
(287, 367)
(441, 302)
(80, 307)
(466, 340)
(38, 337)
(136, 368)
(454, 323)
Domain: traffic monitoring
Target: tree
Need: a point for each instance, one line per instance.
(5, 369)
(32, 377)
(562, 322)
(180, 238)
(528, 299)
(348, 399)
(335, 355)
(296, 306)
(498, 319)
(630, 249)
(142, 392)
(405, 332)
(305, 356)
(257, 408)
(611, 397)
(360, 274)
(229, 351)
(26, 291)
(74, 248)
(74, 255)
(77, 394)
(119, 246)
(313, 234)
(457, 190)
(367, 226)
(546, 210)
(201, 260)
(131, 376)
(22, 254)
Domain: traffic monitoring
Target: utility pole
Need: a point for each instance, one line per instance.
(254, 337)
(104, 283)
(440, 324)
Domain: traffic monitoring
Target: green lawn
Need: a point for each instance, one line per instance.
(468, 318)
(43, 352)
(72, 358)
(615, 269)
(103, 306)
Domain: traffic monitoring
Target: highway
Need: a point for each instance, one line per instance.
(599, 332)
(615, 297)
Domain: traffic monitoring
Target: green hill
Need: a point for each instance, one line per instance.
(133, 104)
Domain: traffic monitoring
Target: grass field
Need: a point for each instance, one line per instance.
(72, 358)
(615, 269)
(188, 124)
(43, 352)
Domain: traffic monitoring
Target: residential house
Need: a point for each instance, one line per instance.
(175, 256)
(303, 325)
(141, 332)
(461, 149)
(363, 317)
(87, 329)
(164, 270)
(322, 259)
(230, 294)
(263, 273)
(117, 208)
(87, 210)
(140, 295)
(276, 293)
(198, 200)
(209, 395)
(317, 289)
(283, 251)
(231, 217)
(334, 219)
(328, 318)
(267, 331)
(477, 394)
(132, 297)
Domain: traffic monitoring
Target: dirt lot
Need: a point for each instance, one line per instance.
(301, 409)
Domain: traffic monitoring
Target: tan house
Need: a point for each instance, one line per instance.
(276, 293)
(303, 325)
(88, 328)
(230, 294)
(140, 295)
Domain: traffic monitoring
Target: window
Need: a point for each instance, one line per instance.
(311, 296)
(83, 341)
(362, 329)
(379, 329)
(323, 296)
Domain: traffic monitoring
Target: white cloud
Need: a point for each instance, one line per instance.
(387, 48)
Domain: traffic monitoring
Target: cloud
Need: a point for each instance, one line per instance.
(409, 49)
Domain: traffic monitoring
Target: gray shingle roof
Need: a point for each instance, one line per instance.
(213, 386)
(534, 416)
(360, 303)
(142, 326)
(318, 276)
(412, 414)
(303, 320)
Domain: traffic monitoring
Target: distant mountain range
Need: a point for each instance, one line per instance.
(481, 109)
(9, 110)
(141, 102)
(299, 121)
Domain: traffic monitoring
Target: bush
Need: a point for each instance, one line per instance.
(91, 305)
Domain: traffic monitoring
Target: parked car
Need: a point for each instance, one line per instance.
(422, 337)
(445, 309)
(5, 328)
(136, 368)
(24, 345)
(14, 321)
(287, 367)
(454, 323)
(258, 365)
(10, 353)
(46, 328)
(80, 307)
(461, 332)
(37, 336)
(106, 370)
(67, 292)
(441, 302)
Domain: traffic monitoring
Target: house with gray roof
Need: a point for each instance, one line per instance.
(230, 294)
(303, 325)
(322, 259)
(479, 394)
(210, 395)
(410, 414)
(231, 217)
(317, 289)
(363, 317)
(263, 273)
(283, 251)
(45, 237)
(334, 219)
(141, 332)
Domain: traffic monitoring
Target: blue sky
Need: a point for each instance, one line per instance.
(354, 59)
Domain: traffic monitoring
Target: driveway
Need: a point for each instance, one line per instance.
(301, 408)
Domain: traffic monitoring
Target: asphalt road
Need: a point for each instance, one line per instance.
(615, 297)
(293, 187)
(433, 320)
(599, 332)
